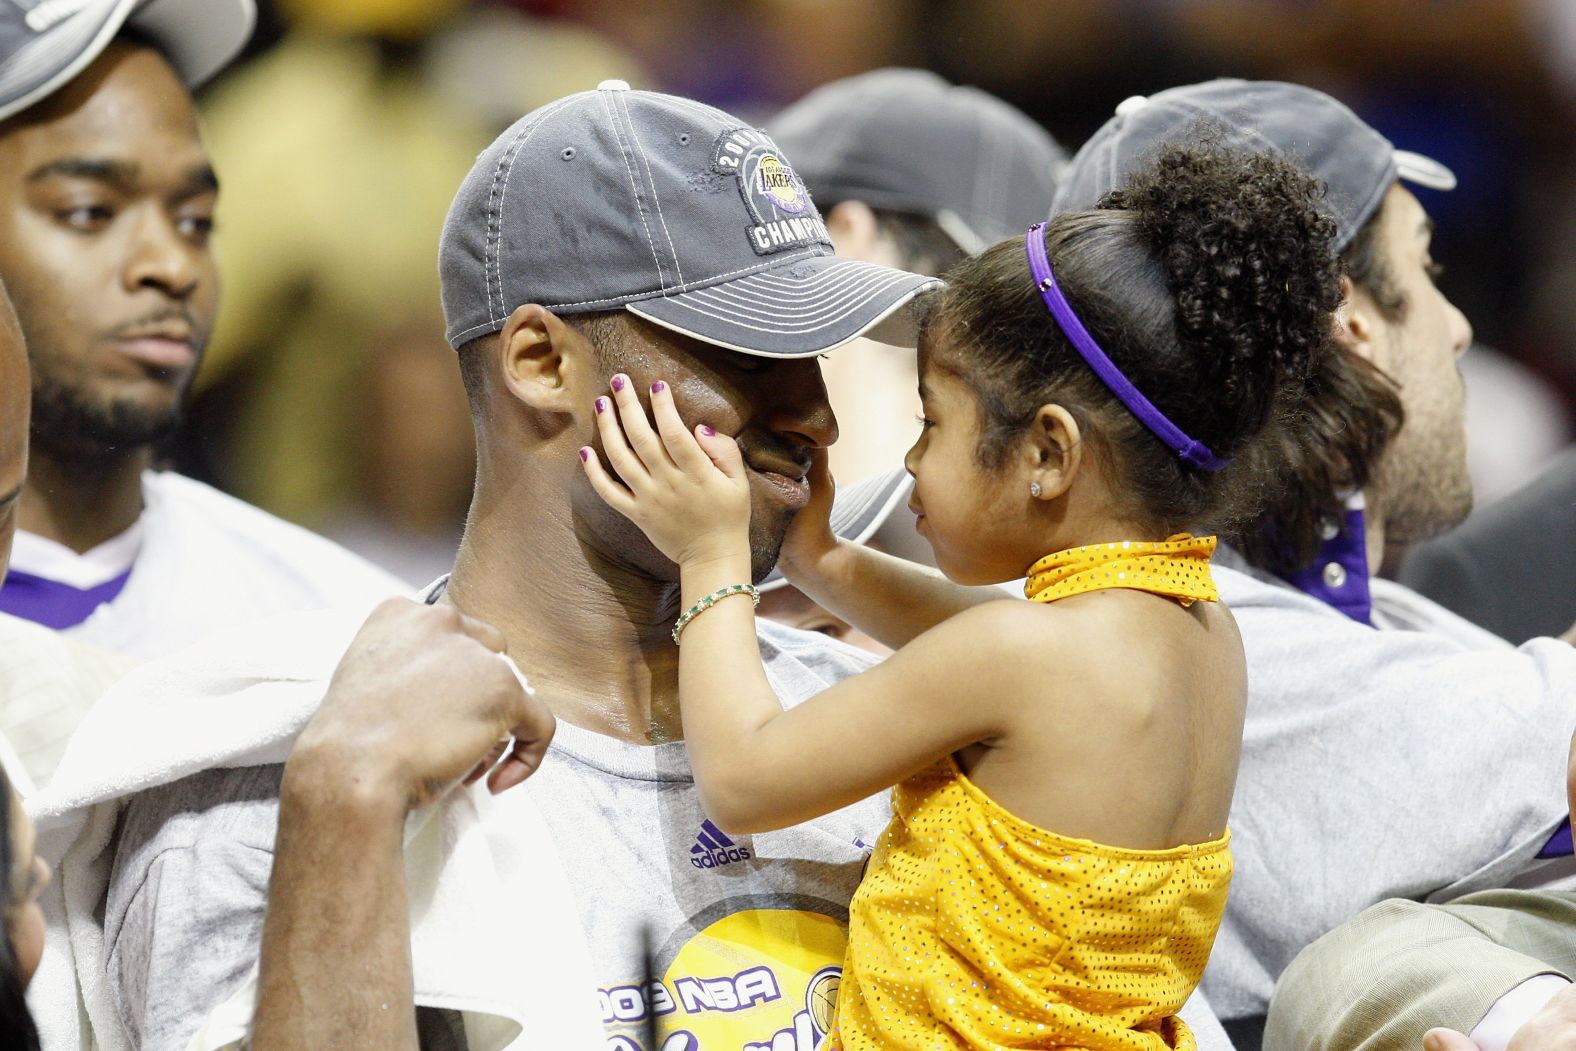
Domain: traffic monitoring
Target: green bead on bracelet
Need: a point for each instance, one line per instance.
(711, 600)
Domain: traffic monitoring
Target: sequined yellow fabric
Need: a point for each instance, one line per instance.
(1178, 568)
(974, 929)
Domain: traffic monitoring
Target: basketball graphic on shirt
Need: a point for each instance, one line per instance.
(820, 999)
(755, 974)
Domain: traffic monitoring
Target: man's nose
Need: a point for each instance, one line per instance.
(798, 402)
(158, 256)
(1460, 330)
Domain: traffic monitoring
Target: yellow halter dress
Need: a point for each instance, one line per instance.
(975, 929)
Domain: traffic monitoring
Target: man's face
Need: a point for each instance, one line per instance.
(776, 409)
(1422, 481)
(14, 406)
(106, 206)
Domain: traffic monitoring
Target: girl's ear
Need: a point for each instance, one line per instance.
(1053, 452)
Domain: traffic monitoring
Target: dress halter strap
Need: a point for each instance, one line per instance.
(1176, 568)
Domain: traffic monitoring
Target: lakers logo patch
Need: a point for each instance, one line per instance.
(778, 181)
(782, 216)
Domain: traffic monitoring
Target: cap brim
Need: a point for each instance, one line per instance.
(199, 37)
(1424, 171)
(38, 68)
(804, 307)
(860, 509)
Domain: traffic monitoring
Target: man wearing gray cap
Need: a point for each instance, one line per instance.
(106, 210)
(612, 231)
(1371, 710)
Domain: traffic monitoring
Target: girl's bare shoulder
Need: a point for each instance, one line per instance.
(1012, 631)
(1110, 635)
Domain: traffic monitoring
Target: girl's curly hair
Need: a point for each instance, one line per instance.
(1210, 279)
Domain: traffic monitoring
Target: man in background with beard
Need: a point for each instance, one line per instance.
(106, 214)
(1392, 750)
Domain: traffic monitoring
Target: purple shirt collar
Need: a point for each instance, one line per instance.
(53, 604)
(1338, 575)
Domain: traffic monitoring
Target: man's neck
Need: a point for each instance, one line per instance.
(594, 639)
(1373, 530)
(82, 505)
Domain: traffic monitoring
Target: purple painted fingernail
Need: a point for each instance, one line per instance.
(585, 455)
(601, 405)
(707, 431)
(618, 383)
(658, 387)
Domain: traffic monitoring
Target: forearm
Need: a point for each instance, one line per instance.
(724, 695)
(335, 963)
(1401, 968)
(890, 599)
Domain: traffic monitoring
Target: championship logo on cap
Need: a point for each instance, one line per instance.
(781, 212)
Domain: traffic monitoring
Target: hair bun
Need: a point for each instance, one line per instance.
(1248, 251)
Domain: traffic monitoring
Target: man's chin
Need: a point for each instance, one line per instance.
(68, 427)
(764, 550)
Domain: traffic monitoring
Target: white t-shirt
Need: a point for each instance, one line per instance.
(201, 561)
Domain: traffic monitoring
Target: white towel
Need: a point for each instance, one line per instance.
(521, 976)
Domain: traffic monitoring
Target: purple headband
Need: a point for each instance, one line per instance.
(1192, 452)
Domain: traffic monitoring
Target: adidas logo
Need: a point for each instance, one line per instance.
(713, 849)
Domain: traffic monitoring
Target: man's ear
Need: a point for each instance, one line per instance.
(854, 229)
(1052, 453)
(1356, 322)
(539, 356)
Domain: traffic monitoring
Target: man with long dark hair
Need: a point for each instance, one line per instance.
(1377, 720)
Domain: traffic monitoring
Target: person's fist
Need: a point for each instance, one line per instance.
(422, 698)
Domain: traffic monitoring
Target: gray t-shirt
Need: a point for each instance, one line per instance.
(1421, 758)
(730, 940)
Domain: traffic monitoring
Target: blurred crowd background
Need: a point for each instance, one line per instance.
(330, 397)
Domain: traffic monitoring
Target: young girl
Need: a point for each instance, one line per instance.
(1057, 863)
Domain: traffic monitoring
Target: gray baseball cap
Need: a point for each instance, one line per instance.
(670, 209)
(45, 43)
(907, 140)
(1356, 162)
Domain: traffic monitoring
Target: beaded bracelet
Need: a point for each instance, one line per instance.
(711, 600)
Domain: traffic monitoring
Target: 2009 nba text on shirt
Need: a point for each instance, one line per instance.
(724, 941)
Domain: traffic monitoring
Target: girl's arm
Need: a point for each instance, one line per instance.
(758, 767)
(888, 598)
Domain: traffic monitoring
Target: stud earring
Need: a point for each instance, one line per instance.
(1034, 490)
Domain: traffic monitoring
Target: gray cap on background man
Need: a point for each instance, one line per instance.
(906, 140)
(1325, 136)
(45, 43)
